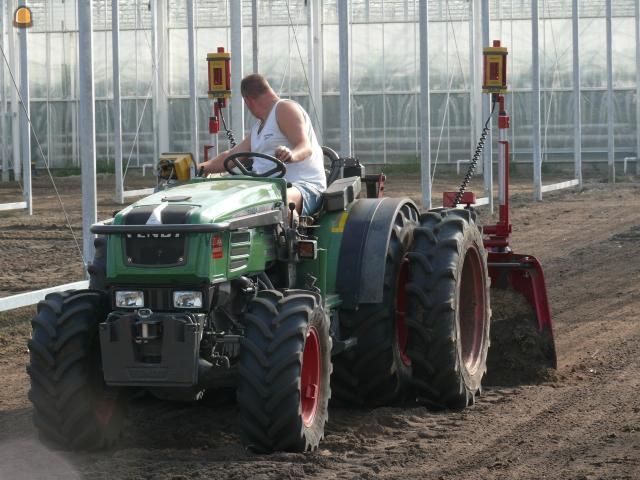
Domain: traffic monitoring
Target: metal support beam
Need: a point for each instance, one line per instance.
(25, 115)
(193, 79)
(315, 66)
(577, 115)
(535, 102)
(254, 35)
(160, 61)
(345, 78)
(237, 104)
(87, 128)
(425, 106)
(637, 19)
(31, 298)
(610, 146)
(15, 107)
(117, 104)
(487, 154)
(4, 134)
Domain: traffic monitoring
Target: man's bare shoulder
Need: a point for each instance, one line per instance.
(289, 111)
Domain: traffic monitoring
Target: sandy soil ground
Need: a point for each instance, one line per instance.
(584, 423)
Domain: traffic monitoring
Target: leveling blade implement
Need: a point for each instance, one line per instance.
(524, 330)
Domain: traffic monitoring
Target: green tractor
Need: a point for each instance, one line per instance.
(212, 283)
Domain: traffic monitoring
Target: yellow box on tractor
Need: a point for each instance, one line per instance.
(176, 166)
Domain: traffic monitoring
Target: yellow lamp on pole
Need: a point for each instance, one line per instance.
(22, 17)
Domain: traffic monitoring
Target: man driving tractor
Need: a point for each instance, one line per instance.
(283, 130)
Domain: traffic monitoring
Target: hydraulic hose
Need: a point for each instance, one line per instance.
(232, 140)
(476, 156)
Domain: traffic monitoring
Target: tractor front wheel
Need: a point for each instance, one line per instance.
(284, 371)
(73, 408)
(448, 309)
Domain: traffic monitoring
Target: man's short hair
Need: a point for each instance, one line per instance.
(254, 85)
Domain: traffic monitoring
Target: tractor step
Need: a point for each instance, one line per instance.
(340, 346)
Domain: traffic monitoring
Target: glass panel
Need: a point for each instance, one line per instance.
(367, 67)
(38, 74)
(401, 131)
(367, 132)
(179, 125)
(144, 63)
(624, 52)
(624, 130)
(556, 55)
(330, 59)
(179, 62)
(401, 67)
(38, 111)
(102, 64)
(61, 134)
(128, 62)
(593, 60)
(62, 59)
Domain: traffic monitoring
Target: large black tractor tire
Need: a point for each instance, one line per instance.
(376, 371)
(284, 373)
(448, 309)
(73, 408)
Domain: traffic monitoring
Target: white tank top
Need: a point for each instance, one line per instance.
(309, 171)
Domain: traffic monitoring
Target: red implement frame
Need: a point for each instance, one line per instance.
(522, 273)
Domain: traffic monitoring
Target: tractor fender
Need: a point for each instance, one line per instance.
(364, 245)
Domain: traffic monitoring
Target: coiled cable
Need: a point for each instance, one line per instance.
(232, 140)
(476, 157)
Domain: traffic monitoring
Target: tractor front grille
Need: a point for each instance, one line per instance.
(155, 249)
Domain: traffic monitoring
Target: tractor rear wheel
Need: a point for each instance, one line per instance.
(284, 371)
(73, 408)
(375, 372)
(448, 309)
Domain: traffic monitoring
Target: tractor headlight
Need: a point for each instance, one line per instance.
(129, 299)
(187, 299)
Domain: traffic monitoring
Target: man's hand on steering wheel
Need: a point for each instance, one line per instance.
(284, 153)
(233, 161)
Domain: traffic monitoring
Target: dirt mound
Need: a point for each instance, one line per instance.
(518, 354)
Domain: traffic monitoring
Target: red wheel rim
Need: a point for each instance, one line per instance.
(402, 333)
(472, 309)
(310, 377)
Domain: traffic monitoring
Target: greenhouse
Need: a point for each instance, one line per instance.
(295, 43)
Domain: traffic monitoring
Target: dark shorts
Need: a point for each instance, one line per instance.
(311, 197)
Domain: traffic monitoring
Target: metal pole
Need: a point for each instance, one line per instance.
(487, 155)
(193, 80)
(425, 107)
(345, 80)
(87, 129)
(577, 119)
(15, 107)
(117, 104)
(25, 132)
(610, 146)
(637, 87)
(237, 105)
(254, 35)
(4, 136)
(315, 66)
(160, 102)
(535, 103)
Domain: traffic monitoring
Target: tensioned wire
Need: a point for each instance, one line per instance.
(44, 157)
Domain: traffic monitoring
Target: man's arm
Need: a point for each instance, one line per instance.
(292, 125)
(216, 165)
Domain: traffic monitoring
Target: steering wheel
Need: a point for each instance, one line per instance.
(232, 161)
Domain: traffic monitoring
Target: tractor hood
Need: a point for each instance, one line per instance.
(203, 201)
